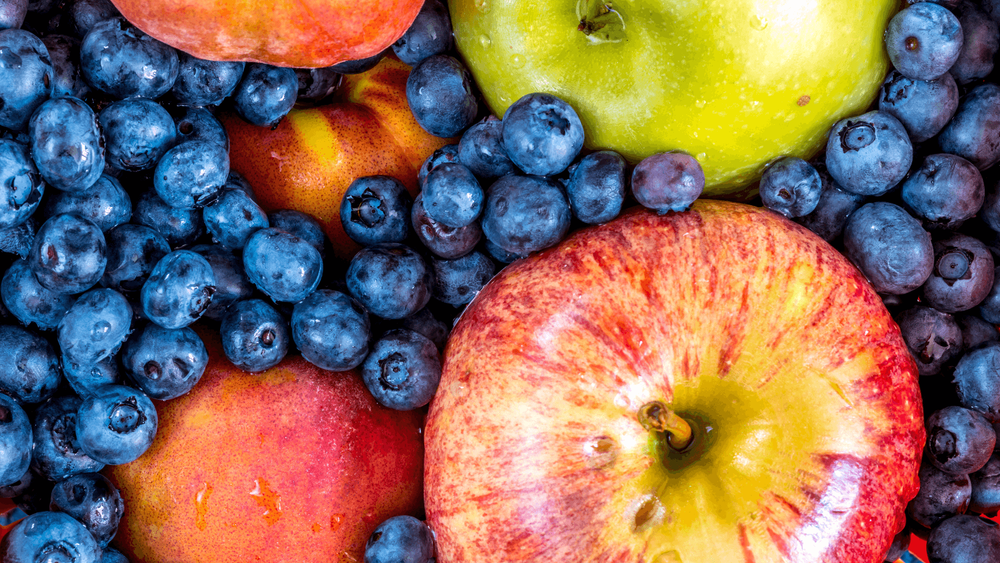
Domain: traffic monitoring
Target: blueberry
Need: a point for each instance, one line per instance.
(924, 107)
(88, 13)
(542, 134)
(959, 440)
(424, 322)
(923, 41)
(868, 154)
(376, 209)
(164, 363)
(974, 132)
(977, 380)
(447, 153)
(889, 246)
(15, 441)
(233, 217)
(84, 380)
(900, 545)
(441, 240)
(116, 424)
(357, 66)
(596, 187)
(191, 174)
(94, 327)
(66, 144)
(282, 265)
(69, 253)
(255, 337)
(403, 369)
(980, 41)
(49, 537)
(12, 13)
(178, 226)
(524, 214)
(120, 60)
(429, 34)
(791, 186)
(106, 203)
(452, 195)
(178, 289)
(834, 207)
(300, 224)
(19, 486)
(265, 94)
(941, 495)
(964, 538)
(400, 539)
(133, 251)
(94, 501)
(481, 150)
(667, 181)
(985, 496)
(112, 555)
(26, 76)
(29, 366)
(962, 275)
(21, 186)
(989, 307)
(440, 94)
(933, 337)
(945, 191)
(18, 239)
(331, 330)
(391, 280)
(137, 133)
(205, 83)
(458, 280)
(67, 79)
(231, 282)
(29, 301)
(316, 85)
(201, 124)
(975, 330)
(56, 451)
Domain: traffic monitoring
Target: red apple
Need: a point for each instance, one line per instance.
(294, 33)
(295, 464)
(775, 351)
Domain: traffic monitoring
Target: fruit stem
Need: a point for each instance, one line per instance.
(599, 21)
(654, 415)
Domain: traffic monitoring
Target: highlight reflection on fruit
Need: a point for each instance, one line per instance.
(544, 440)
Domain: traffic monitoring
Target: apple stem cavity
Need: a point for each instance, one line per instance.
(655, 416)
(600, 21)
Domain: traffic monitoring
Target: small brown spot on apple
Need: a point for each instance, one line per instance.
(645, 512)
(600, 452)
(803, 100)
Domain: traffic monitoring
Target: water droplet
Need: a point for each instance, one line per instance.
(700, 103)
(504, 99)
(201, 505)
(336, 520)
(484, 6)
(758, 22)
(485, 41)
(700, 157)
(267, 499)
(517, 61)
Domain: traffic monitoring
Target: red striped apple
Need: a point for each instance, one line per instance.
(713, 386)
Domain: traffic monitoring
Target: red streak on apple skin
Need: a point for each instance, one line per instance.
(745, 544)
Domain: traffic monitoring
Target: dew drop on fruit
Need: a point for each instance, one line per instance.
(517, 61)
(758, 22)
(699, 103)
(201, 505)
(485, 41)
(484, 6)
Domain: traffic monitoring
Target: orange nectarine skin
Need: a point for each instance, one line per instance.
(296, 465)
(314, 154)
(293, 33)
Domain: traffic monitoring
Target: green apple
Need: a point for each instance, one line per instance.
(735, 83)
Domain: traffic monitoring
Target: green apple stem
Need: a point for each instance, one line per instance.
(599, 20)
(656, 416)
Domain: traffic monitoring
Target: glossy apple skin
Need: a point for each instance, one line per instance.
(293, 33)
(308, 161)
(735, 83)
(295, 464)
(758, 332)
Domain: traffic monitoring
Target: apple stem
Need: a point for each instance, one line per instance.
(600, 21)
(654, 415)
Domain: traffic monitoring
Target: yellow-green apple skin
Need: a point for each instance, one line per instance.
(735, 83)
(802, 395)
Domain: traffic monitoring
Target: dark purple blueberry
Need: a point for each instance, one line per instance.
(429, 34)
(94, 501)
(84, 380)
(974, 132)
(959, 440)
(452, 195)
(331, 330)
(67, 79)
(316, 85)
(88, 13)
(933, 337)
(441, 240)
(900, 545)
(447, 153)
(231, 282)
(12, 13)
(667, 181)
(112, 555)
(889, 246)
(116, 424)
(29, 301)
(133, 251)
(300, 224)
(440, 94)
(357, 66)
(924, 107)
(94, 327)
(66, 144)
(137, 133)
(868, 154)
(525, 214)
(29, 366)
(18, 487)
(56, 451)
(945, 191)
(205, 83)
(791, 186)
(989, 307)
(980, 42)
(255, 337)
(596, 187)
(481, 150)
(178, 226)
(265, 94)
(164, 363)
(282, 265)
(962, 275)
(191, 174)
(178, 290)
(200, 124)
(15, 441)
(402, 370)
(49, 537)
(26, 77)
(391, 280)
(233, 217)
(923, 41)
(977, 380)
(989, 212)
(458, 280)
(941, 496)
(834, 207)
(424, 322)
(964, 539)
(542, 134)
(376, 209)
(501, 255)
(106, 203)
(120, 60)
(975, 330)
(985, 498)
(400, 539)
(21, 186)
